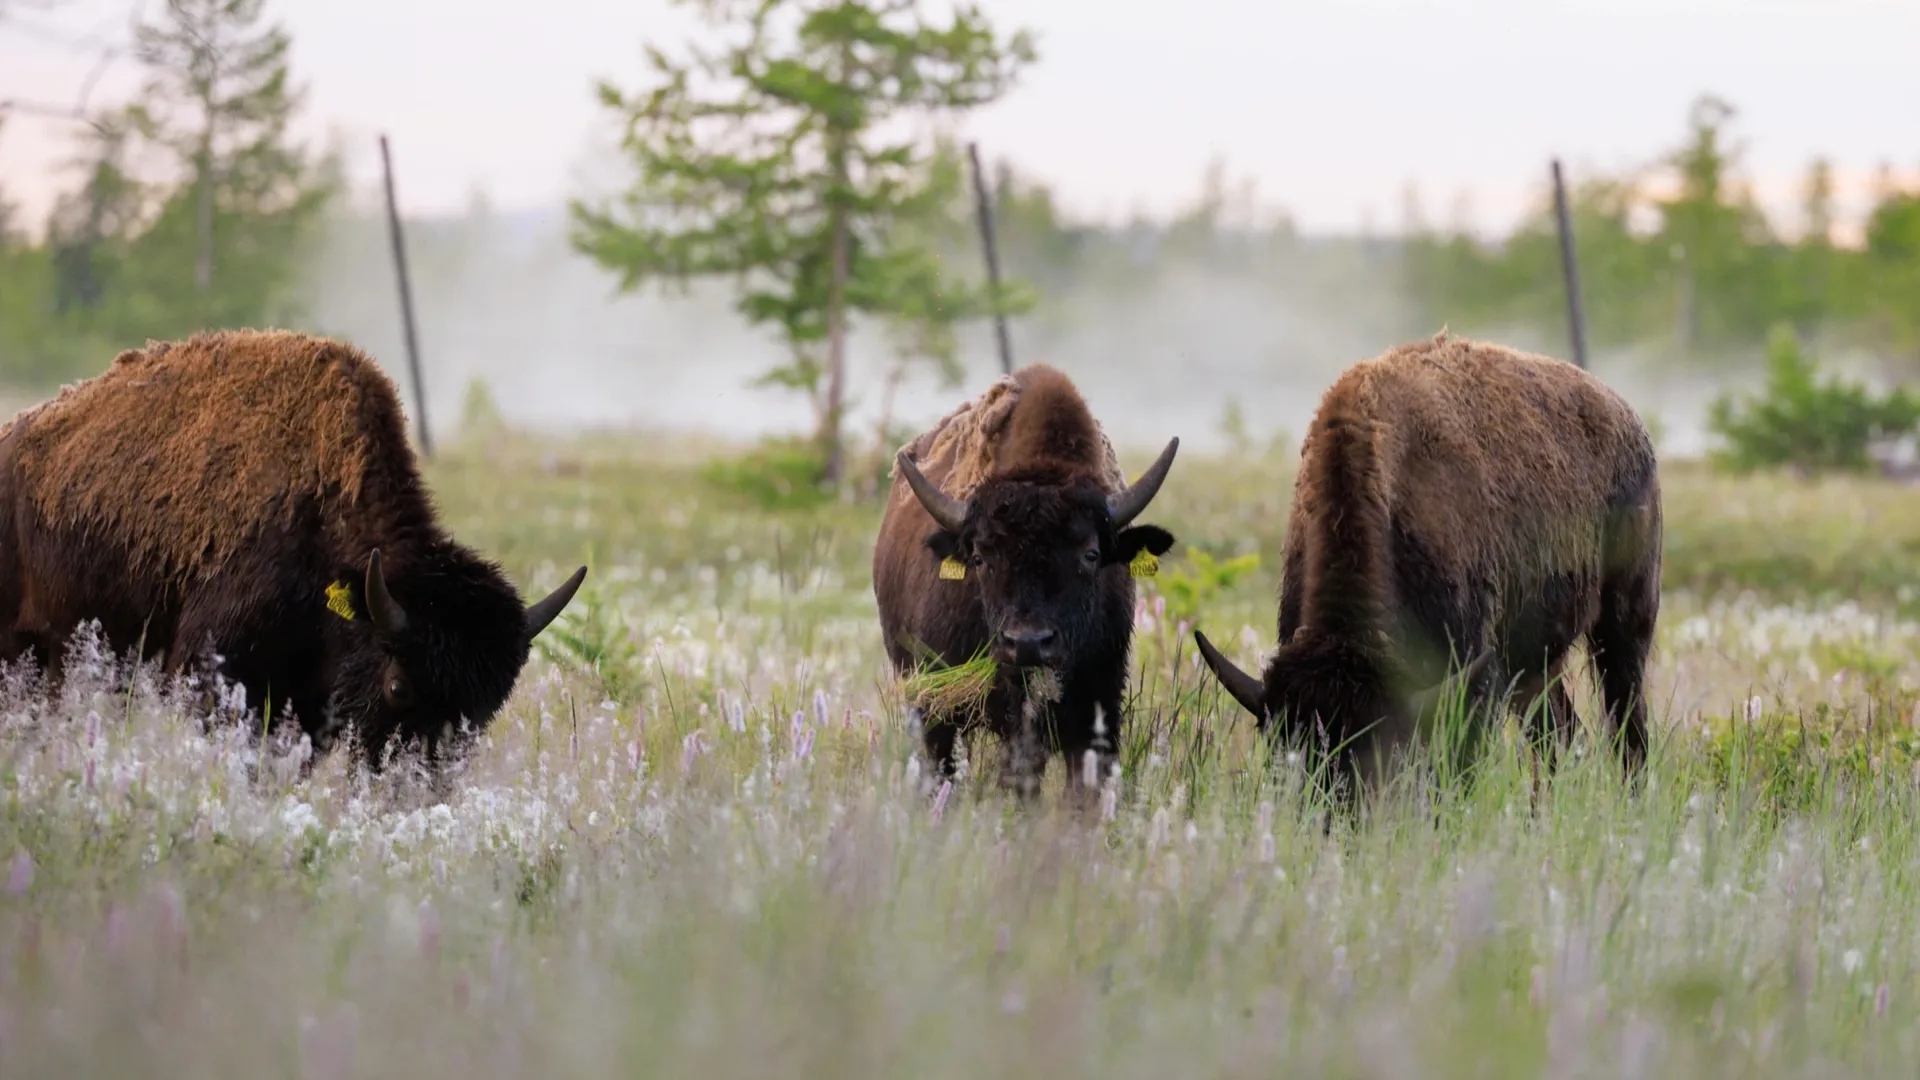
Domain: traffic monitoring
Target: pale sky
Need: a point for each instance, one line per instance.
(1331, 107)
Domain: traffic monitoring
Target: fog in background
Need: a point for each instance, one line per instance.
(503, 298)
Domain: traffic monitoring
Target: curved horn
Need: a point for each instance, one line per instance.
(387, 616)
(1246, 689)
(1424, 701)
(1124, 506)
(548, 608)
(948, 512)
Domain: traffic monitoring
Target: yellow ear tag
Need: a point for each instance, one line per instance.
(1145, 564)
(340, 600)
(952, 569)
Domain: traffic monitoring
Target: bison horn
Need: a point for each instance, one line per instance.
(548, 608)
(948, 512)
(1126, 505)
(1424, 701)
(388, 617)
(1245, 689)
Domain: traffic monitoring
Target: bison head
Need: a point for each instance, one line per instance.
(1315, 684)
(1035, 545)
(451, 653)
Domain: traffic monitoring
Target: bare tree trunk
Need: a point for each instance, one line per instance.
(836, 333)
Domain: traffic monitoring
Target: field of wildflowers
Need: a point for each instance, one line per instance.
(699, 841)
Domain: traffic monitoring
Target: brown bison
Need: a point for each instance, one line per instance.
(1009, 532)
(252, 495)
(1460, 499)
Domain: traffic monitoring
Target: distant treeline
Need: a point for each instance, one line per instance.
(194, 208)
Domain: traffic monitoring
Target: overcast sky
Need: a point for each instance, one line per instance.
(1332, 107)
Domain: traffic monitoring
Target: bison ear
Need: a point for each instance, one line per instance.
(943, 544)
(1129, 543)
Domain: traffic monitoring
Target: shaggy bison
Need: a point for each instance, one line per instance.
(1455, 499)
(253, 494)
(1009, 532)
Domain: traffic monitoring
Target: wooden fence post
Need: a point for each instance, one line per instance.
(983, 204)
(406, 301)
(1570, 268)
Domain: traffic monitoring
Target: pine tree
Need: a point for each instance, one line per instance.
(219, 99)
(773, 160)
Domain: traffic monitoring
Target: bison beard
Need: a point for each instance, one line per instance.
(252, 495)
(1457, 499)
(1036, 573)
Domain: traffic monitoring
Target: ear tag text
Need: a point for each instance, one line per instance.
(952, 569)
(1145, 564)
(340, 600)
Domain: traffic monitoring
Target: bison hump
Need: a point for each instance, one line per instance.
(993, 432)
(184, 450)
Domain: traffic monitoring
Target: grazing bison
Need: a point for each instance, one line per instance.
(1456, 499)
(253, 494)
(1008, 531)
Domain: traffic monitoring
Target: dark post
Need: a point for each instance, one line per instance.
(406, 301)
(1570, 268)
(983, 203)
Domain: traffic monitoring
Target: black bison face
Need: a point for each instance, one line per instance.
(451, 653)
(1036, 548)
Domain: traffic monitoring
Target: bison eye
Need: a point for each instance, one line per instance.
(1092, 556)
(398, 692)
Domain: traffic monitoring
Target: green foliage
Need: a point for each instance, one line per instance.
(480, 416)
(1805, 421)
(959, 689)
(1678, 256)
(1795, 762)
(194, 206)
(591, 634)
(778, 474)
(768, 161)
(1199, 578)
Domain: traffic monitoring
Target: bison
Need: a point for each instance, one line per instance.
(1457, 498)
(1009, 533)
(252, 494)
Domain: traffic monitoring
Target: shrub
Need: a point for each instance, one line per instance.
(778, 474)
(1806, 422)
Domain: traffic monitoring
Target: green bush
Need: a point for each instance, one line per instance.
(778, 474)
(1803, 421)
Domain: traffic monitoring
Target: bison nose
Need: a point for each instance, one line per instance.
(1027, 647)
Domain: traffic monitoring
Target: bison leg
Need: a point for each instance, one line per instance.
(1091, 751)
(1025, 764)
(1621, 642)
(939, 736)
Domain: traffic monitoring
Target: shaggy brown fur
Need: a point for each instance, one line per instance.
(206, 494)
(1452, 496)
(1047, 585)
(960, 451)
(245, 420)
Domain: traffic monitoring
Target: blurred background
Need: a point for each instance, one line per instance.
(1201, 217)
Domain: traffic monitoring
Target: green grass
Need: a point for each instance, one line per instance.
(699, 843)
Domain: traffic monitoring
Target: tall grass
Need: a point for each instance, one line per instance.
(700, 842)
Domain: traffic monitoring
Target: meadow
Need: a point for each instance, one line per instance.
(699, 841)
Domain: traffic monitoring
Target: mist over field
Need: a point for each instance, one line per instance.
(502, 297)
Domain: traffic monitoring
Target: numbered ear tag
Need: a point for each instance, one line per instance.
(952, 569)
(1145, 564)
(340, 600)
